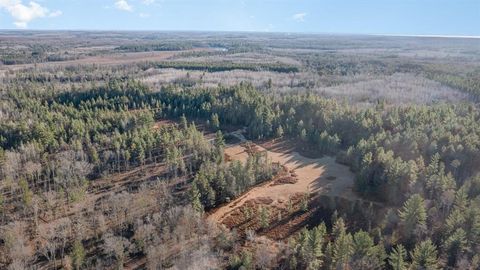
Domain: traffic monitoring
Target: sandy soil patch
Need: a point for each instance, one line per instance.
(314, 176)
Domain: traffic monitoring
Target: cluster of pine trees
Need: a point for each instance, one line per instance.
(421, 158)
(338, 249)
(217, 182)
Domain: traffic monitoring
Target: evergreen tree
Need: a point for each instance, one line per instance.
(78, 255)
(318, 239)
(27, 194)
(303, 135)
(264, 217)
(183, 122)
(342, 250)
(413, 214)
(279, 132)
(366, 255)
(195, 198)
(455, 246)
(397, 258)
(424, 256)
(215, 122)
(219, 144)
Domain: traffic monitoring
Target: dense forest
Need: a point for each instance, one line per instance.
(102, 169)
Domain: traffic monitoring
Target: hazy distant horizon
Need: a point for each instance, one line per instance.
(450, 18)
(250, 32)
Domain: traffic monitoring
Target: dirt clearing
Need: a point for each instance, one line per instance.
(308, 176)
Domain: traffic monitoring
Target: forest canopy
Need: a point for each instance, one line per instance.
(125, 163)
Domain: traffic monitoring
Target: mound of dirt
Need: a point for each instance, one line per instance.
(285, 180)
(262, 200)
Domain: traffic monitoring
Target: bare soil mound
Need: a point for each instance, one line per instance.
(285, 180)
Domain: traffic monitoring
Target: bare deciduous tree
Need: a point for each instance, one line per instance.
(16, 244)
(116, 246)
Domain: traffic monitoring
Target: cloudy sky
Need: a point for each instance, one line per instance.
(409, 17)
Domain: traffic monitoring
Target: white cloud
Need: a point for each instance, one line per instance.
(123, 5)
(23, 14)
(148, 2)
(21, 25)
(55, 13)
(299, 17)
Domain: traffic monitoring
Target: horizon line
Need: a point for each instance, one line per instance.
(247, 31)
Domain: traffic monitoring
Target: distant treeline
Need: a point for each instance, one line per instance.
(469, 82)
(34, 57)
(227, 66)
(156, 47)
(453, 75)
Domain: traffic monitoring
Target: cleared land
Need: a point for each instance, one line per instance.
(314, 176)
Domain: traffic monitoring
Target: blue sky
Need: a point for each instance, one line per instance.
(406, 17)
